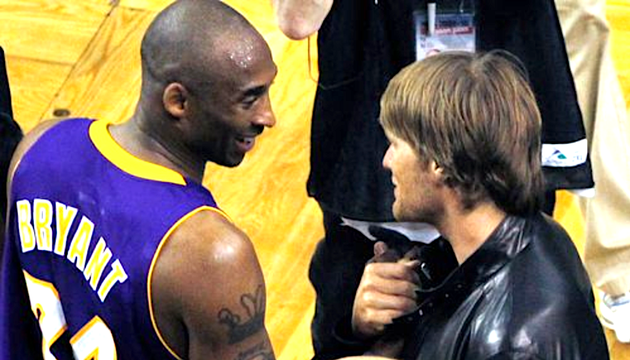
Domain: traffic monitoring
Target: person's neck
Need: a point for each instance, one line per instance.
(467, 230)
(152, 147)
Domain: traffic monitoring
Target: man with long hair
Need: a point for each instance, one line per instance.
(464, 156)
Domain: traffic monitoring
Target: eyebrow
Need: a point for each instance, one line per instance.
(256, 91)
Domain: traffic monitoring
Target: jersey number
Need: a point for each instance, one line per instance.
(92, 341)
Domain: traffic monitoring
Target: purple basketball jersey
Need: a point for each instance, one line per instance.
(86, 223)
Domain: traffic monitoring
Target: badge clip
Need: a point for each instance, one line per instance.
(431, 9)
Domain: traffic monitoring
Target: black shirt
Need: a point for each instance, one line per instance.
(363, 44)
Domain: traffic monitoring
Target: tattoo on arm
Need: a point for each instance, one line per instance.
(238, 329)
(258, 352)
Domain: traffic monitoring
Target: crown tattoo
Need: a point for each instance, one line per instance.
(240, 329)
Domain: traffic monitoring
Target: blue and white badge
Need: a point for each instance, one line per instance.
(439, 30)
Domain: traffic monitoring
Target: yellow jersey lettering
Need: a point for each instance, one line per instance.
(96, 265)
(80, 243)
(42, 217)
(64, 218)
(27, 234)
(45, 228)
(115, 276)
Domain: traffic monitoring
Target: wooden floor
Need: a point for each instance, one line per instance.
(81, 58)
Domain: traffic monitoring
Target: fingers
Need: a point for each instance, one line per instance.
(377, 290)
(386, 291)
(371, 315)
(372, 323)
(384, 308)
(383, 253)
(405, 270)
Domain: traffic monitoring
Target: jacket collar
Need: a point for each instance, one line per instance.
(503, 245)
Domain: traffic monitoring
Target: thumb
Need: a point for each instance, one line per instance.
(380, 248)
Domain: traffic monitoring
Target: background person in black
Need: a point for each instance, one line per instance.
(10, 135)
(10, 132)
(362, 44)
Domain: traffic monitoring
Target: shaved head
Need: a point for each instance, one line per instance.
(194, 42)
(206, 74)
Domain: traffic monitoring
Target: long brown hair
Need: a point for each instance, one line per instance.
(476, 117)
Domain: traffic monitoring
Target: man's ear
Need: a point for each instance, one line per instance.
(174, 98)
(436, 168)
(438, 172)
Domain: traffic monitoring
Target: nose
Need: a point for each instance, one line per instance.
(387, 158)
(265, 116)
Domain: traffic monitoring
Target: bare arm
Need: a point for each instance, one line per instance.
(209, 293)
(299, 19)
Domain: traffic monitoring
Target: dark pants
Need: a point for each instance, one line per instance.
(335, 272)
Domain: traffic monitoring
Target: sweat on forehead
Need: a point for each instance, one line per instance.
(191, 33)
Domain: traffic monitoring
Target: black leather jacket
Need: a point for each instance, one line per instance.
(523, 295)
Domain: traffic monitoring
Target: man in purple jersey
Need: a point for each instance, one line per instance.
(114, 248)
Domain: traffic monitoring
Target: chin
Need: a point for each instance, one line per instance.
(232, 164)
(227, 164)
(231, 161)
(407, 215)
(399, 214)
(403, 218)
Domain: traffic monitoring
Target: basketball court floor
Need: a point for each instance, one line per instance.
(81, 58)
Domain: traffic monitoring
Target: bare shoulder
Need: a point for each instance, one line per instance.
(211, 239)
(29, 139)
(216, 248)
(208, 285)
